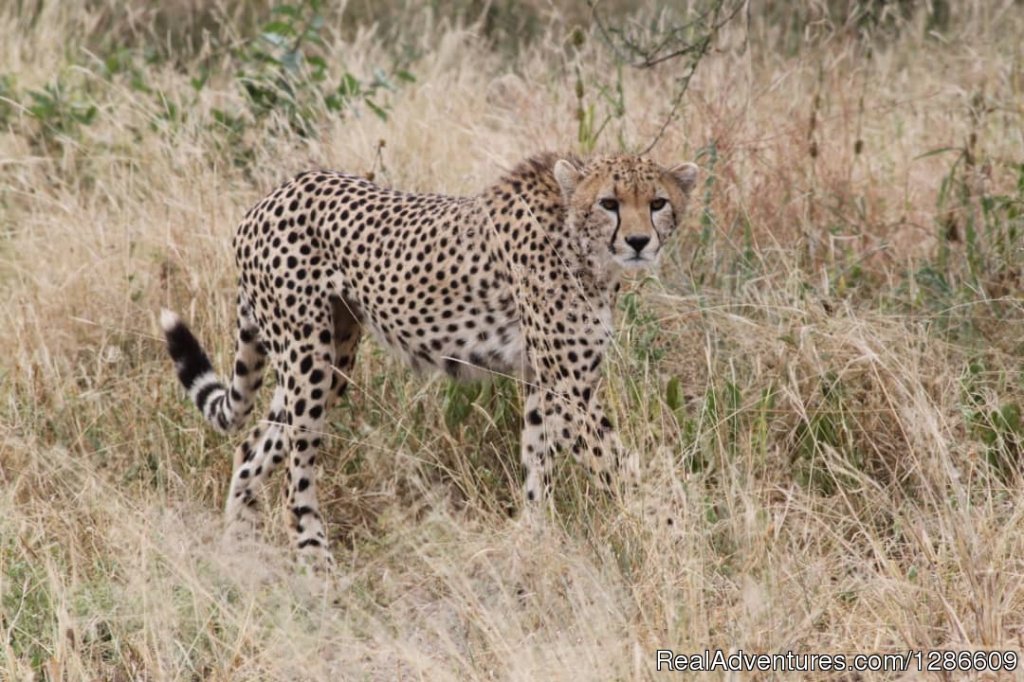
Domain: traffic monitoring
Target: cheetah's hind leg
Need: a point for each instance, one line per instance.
(256, 459)
(313, 368)
(346, 336)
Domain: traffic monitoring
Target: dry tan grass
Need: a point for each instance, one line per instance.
(828, 462)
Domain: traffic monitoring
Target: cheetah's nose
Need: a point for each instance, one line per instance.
(638, 242)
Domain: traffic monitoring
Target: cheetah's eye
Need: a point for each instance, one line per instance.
(658, 204)
(609, 204)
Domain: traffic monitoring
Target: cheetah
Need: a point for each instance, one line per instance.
(518, 280)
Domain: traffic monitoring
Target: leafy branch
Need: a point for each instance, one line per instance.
(283, 69)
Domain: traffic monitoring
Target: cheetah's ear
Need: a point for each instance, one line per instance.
(567, 176)
(686, 175)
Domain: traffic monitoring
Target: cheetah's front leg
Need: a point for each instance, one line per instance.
(555, 422)
(536, 448)
(599, 449)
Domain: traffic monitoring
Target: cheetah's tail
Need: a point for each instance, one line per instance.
(225, 409)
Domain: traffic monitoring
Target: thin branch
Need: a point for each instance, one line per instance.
(674, 40)
(677, 101)
(645, 52)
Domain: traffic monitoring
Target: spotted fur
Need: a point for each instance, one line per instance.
(518, 280)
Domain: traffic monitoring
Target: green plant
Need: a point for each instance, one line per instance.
(8, 99)
(997, 424)
(26, 608)
(59, 110)
(825, 432)
(704, 249)
(977, 273)
(642, 327)
(990, 226)
(283, 69)
(458, 402)
(497, 395)
(588, 130)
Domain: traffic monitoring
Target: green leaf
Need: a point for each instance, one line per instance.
(275, 39)
(377, 109)
(934, 152)
(1009, 418)
(732, 395)
(139, 84)
(277, 29)
(674, 394)
(87, 116)
(349, 86)
(459, 399)
(380, 79)
(291, 60)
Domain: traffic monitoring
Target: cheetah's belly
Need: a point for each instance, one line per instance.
(460, 347)
(477, 339)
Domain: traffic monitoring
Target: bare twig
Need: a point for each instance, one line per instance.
(691, 40)
(671, 44)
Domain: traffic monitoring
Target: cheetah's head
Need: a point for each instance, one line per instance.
(625, 207)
